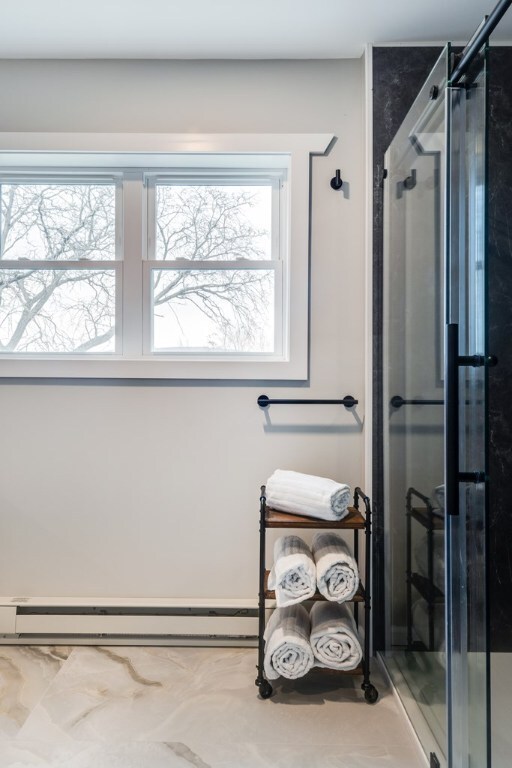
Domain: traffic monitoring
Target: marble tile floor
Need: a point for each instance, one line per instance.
(162, 707)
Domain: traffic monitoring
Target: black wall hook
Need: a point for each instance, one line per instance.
(337, 181)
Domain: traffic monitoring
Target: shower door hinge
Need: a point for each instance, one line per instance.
(434, 762)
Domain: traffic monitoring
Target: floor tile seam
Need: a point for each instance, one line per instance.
(329, 744)
(41, 699)
(199, 744)
(19, 740)
(184, 673)
(42, 695)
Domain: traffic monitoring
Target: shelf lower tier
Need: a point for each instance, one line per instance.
(327, 672)
(427, 590)
(359, 597)
(274, 519)
(417, 646)
(346, 672)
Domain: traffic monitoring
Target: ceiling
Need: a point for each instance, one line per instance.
(231, 29)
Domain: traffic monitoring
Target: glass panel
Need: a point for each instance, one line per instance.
(228, 310)
(414, 417)
(467, 532)
(213, 222)
(52, 311)
(57, 221)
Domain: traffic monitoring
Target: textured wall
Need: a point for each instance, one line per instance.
(500, 332)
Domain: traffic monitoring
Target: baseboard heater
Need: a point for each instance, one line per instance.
(194, 621)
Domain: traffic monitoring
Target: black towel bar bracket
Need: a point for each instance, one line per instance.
(348, 401)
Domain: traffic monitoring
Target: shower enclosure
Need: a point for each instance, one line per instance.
(435, 368)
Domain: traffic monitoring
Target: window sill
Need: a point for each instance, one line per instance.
(116, 368)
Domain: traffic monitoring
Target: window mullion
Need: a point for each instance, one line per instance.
(133, 241)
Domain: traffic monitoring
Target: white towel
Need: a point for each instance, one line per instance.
(438, 496)
(300, 494)
(337, 574)
(287, 649)
(293, 575)
(334, 637)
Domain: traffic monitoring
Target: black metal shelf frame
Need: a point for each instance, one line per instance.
(424, 585)
(370, 692)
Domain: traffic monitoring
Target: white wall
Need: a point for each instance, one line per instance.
(126, 489)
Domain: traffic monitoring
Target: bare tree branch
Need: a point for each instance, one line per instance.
(74, 310)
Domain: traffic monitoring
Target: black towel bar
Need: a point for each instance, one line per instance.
(397, 402)
(348, 401)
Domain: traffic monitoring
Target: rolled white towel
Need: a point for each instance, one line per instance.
(308, 495)
(293, 575)
(334, 637)
(287, 649)
(438, 496)
(337, 574)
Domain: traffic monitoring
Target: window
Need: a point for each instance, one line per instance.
(58, 271)
(215, 266)
(153, 264)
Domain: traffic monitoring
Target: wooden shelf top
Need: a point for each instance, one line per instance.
(359, 597)
(421, 515)
(274, 519)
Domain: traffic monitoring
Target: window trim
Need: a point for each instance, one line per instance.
(128, 152)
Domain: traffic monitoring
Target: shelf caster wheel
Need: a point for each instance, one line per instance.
(371, 694)
(265, 690)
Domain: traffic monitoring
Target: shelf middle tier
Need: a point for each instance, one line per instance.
(274, 519)
(359, 597)
(427, 590)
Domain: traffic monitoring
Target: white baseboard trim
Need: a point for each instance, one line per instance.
(95, 620)
(130, 602)
(132, 640)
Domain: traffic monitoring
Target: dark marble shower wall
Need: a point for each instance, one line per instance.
(500, 335)
(398, 74)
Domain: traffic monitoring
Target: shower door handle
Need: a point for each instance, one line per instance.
(452, 419)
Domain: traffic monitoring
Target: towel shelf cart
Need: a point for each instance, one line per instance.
(423, 584)
(354, 521)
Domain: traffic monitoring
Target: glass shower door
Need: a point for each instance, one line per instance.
(414, 287)
(435, 420)
(467, 360)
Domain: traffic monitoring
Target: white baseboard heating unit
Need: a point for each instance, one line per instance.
(128, 621)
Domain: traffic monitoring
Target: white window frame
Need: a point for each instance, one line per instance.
(130, 153)
(277, 263)
(114, 265)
